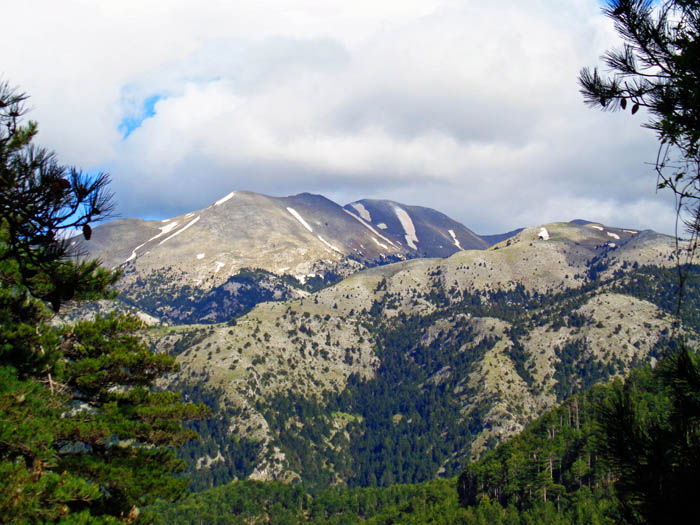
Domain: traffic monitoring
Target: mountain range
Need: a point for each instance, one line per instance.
(379, 343)
(210, 264)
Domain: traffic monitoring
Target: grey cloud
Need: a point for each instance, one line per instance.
(465, 118)
(248, 66)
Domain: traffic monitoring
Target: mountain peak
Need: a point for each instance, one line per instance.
(424, 231)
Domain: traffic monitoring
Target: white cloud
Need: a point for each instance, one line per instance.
(466, 107)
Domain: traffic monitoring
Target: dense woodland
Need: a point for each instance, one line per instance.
(402, 428)
(567, 467)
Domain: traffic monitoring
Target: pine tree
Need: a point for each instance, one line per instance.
(650, 434)
(658, 68)
(650, 438)
(84, 438)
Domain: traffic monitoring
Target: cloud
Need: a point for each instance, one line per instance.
(469, 108)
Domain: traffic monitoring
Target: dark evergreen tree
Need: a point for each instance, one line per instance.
(658, 68)
(83, 437)
(650, 438)
(650, 435)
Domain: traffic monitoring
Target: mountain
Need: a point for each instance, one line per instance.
(427, 232)
(500, 237)
(406, 371)
(211, 264)
(335, 352)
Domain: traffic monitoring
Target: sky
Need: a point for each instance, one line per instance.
(468, 108)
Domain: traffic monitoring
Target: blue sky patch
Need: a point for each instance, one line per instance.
(132, 122)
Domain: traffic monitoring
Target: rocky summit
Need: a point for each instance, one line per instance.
(246, 248)
(425, 231)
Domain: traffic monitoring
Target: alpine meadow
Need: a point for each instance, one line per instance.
(295, 359)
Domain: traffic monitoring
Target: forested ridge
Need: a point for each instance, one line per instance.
(561, 469)
(402, 426)
(556, 471)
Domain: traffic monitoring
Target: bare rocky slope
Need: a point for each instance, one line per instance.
(427, 232)
(246, 248)
(405, 371)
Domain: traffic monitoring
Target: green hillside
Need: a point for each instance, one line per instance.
(574, 464)
(451, 382)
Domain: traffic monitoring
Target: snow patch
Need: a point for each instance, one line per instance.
(224, 199)
(612, 244)
(324, 241)
(599, 228)
(299, 218)
(364, 213)
(189, 215)
(381, 226)
(543, 234)
(408, 227)
(454, 238)
(163, 230)
(368, 227)
(200, 256)
(613, 235)
(631, 231)
(193, 221)
(282, 270)
(219, 266)
(379, 244)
